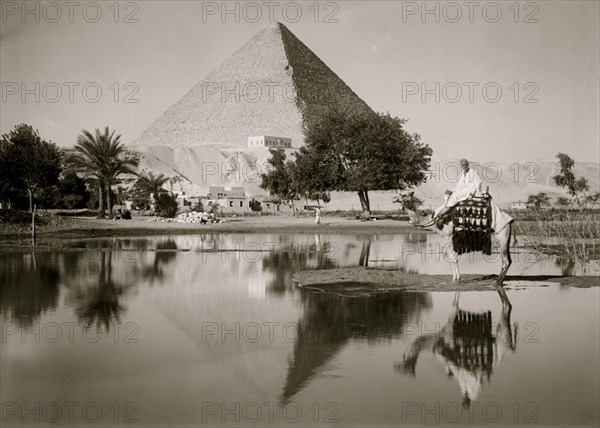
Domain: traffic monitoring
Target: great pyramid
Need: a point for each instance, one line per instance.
(273, 85)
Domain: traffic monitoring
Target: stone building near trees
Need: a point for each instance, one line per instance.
(229, 200)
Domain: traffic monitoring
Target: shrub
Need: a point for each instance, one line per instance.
(255, 205)
(166, 205)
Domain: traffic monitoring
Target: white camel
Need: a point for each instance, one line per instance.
(447, 229)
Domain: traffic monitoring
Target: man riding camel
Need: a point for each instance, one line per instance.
(468, 185)
(470, 227)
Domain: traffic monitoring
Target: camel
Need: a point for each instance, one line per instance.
(467, 345)
(446, 230)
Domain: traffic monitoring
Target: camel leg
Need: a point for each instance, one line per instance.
(504, 239)
(455, 301)
(453, 259)
(454, 307)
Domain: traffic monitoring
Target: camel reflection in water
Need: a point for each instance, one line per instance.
(330, 321)
(468, 346)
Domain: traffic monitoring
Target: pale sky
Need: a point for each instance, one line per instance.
(382, 50)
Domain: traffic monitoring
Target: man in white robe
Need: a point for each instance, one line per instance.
(469, 184)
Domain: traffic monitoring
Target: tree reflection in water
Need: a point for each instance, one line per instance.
(365, 253)
(99, 304)
(29, 283)
(28, 287)
(166, 252)
(329, 321)
(566, 264)
(285, 262)
(468, 347)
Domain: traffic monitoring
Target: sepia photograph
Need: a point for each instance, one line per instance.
(310, 213)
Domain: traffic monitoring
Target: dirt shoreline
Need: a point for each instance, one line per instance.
(360, 281)
(83, 228)
(54, 235)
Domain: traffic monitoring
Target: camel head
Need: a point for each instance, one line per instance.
(406, 200)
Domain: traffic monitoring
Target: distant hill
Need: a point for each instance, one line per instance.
(201, 166)
(508, 182)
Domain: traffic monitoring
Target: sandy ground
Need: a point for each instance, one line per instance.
(368, 281)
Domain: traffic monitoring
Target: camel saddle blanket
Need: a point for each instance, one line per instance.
(472, 220)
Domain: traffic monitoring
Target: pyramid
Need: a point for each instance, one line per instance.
(273, 85)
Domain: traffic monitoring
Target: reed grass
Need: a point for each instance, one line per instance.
(572, 235)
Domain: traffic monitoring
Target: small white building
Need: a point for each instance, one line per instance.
(273, 206)
(231, 199)
(270, 142)
(518, 205)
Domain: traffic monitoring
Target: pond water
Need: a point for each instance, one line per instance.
(205, 330)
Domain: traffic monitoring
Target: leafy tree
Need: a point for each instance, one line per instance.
(72, 201)
(563, 202)
(28, 162)
(72, 191)
(102, 159)
(312, 176)
(538, 200)
(411, 202)
(593, 199)
(360, 152)
(575, 186)
(166, 205)
(278, 180)
(5, 176)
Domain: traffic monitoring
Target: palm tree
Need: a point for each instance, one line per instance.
(149, 184)
(88, 159)
(173, 181)
(102, 158)
(114, 168)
